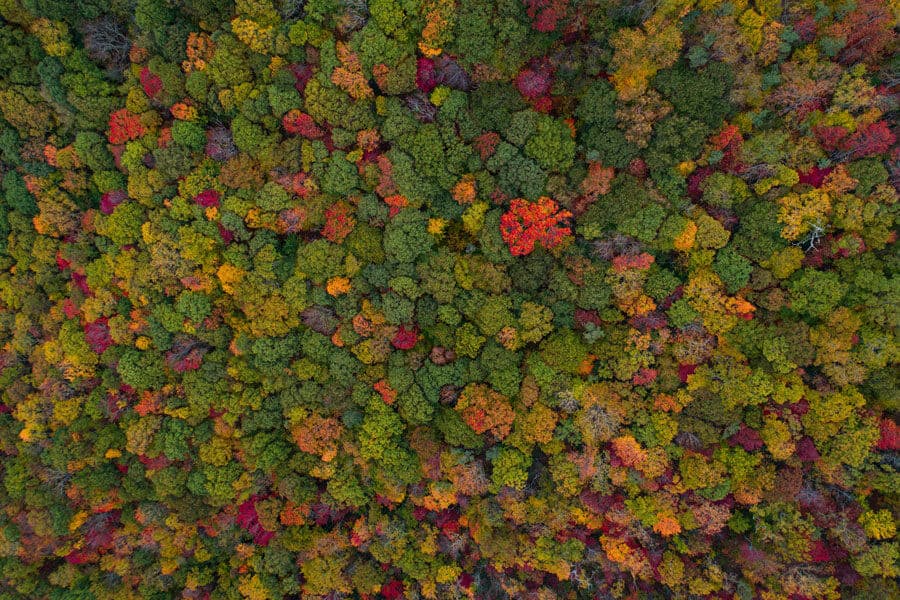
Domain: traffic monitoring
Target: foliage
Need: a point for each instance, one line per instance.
(424, 299)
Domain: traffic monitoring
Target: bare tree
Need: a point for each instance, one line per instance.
(811, 240)
(106, 41)
(421, 107)
(291, 9)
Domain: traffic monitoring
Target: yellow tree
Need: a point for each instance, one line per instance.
(349, 76)
(805, 213)
(640, 53)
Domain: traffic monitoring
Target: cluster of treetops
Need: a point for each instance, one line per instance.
(487, 299)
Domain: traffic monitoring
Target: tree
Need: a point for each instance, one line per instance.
(721, 190)
(816, 293)
(698, 94)
(639, 54)
(406, 236)
(485, 410)
(867, 32)
(510, 468)
(320, 298)
(124, 126)
(564, 351)
(528, 223)
(551, 145)
(733, 269)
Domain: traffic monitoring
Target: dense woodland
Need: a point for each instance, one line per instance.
(488, 299)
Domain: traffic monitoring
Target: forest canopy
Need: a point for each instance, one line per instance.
(327, 299)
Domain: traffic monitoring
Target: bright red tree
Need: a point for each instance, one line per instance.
(529, 222)
(124, 126)
(151, 82)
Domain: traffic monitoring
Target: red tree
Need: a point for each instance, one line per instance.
(869, 31)
(207, 198)
(876, 138)
(546, 14)
(529, 222)
(534, 82)
(300, 123)
(124, 126)
(151, 82)
(339, 222)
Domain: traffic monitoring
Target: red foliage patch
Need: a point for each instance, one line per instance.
(544, 104)
(583, 317)
(876, 138)
(396, 203)
(226, 234)
(124, 127)
(819, 552)
(806, 28)
(651, 321)
(546, 14)
(69, 309)
(640, 262)
(696, 178)
(295, 183)
(302, 74)
(207, 198)
(248, 519)
(388, 394)
(729, 141)
(830, 137)
(466, 580)
(869, 31)
(110, 200)
(80, 281)
(185, 357)
(61, 262)
(78, 557)
(486, 143)
(807, 451)
(96, 333)
(534, 83)
(447, 520)
(426, 75)
(339, 222)
(685, 371)
(392, 589)
(890, 435)
(729, 135)
(405, 338)
(815, 176)
(747, 438)
(151, 82)
(154, 464)
(637, 167)
(300, 123)
(644, 376)
(527, 223)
